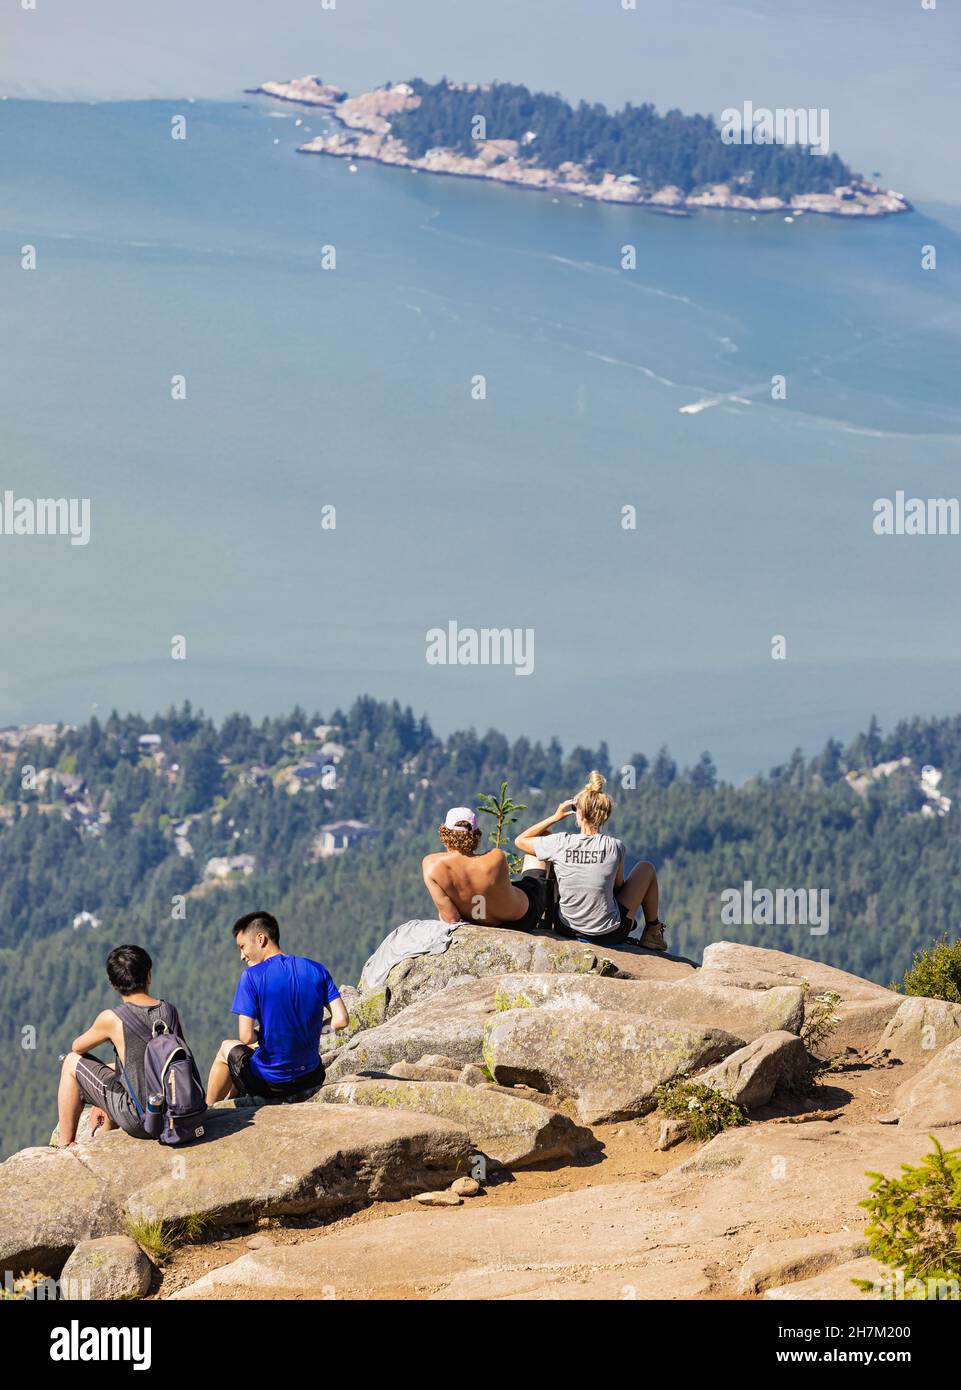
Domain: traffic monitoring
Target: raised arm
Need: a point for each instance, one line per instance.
(524, 841)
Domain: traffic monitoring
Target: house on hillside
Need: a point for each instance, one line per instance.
(316, 770)
(183, 846)
(54, 786)
(340, 836)
(937, 804)
(929, 782)
(316, 765)
(226, 865)
(68, 784)
(860, 781)
(14, 736)
(86, 818)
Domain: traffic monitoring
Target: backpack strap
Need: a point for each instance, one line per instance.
(128, 1084)
(169, 1016)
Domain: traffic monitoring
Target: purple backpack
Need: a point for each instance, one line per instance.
(170, 1073)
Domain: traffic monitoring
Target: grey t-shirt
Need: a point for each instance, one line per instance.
(586, 866)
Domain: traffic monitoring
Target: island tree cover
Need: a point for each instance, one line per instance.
(102, 841)
(656, 150)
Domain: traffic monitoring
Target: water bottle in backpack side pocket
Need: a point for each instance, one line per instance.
(153, 1118)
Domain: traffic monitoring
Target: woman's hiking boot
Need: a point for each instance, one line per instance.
(653, 936)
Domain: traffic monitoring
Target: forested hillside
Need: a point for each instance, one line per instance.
(636, 141)
(136, 830)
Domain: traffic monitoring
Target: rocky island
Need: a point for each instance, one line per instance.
(673, 163)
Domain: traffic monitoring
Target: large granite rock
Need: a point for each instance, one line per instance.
(110, 1267)
(918, 1029)
(365, 1009)
(510, 1130)
(684, 1280)
(745, 1013)
(610, 1061)
(688, 1232)
(864, 1009)
(271, 1160)
(834, 1284)
(423, 1071)
(481, 952)
(451, 1022)
(932, 1099)
(778, 1203)
(752, 1074)
(638, 963)
(50, 1201)
(779, 1262)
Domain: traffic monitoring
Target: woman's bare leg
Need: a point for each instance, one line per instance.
(639, 890)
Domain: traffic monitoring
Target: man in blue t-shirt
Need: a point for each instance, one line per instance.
(280, 1004)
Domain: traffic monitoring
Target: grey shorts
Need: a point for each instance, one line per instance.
(100, 1085)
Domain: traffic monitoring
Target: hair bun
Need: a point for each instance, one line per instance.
(595, 783)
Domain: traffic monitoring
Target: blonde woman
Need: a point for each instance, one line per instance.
(596, 899)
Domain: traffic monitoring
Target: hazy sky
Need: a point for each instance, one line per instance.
(886, 69)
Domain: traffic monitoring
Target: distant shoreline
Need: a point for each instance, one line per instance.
(365, 133)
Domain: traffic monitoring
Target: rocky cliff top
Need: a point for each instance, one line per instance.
(512, 1061)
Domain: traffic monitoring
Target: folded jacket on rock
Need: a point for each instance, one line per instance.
(417, 937)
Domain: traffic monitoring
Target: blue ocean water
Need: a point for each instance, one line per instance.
(352, 387)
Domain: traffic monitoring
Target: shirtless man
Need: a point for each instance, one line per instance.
(471, 887)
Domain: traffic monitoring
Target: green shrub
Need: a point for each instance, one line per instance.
(820, 1018)
(936, 973)
(153, 1235)
(915, 1222)
(159, 1238)
(502, 809)
(705, 1112)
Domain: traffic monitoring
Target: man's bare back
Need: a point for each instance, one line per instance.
(474, 888)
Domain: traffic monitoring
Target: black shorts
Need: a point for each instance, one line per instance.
(533, 884)
(617, 936)
(249, 1083)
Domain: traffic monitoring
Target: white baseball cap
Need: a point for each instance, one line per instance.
(457, 815)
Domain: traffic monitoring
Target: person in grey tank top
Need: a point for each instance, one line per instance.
(596, 899)
(86, 1079)
(135, 1044)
